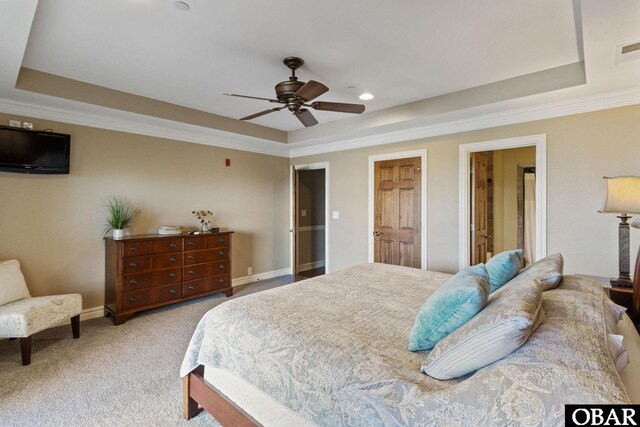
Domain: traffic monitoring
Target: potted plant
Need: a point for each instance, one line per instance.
(120, 215)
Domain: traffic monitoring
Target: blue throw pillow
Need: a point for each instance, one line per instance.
(452, 305)
(504, 267)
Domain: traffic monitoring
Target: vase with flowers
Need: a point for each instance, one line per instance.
(205, 218)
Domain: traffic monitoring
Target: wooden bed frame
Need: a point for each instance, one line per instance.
(200, 394)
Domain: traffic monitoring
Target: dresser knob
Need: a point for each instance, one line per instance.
(133, 282)
(173, 291)
(133, 265)
(192, 272)
(172, 259)
(221, 266)
(173, 246)
(133, 249)
(221, 253)
(191, 257)
(172, 274)
(133, 300)
(221, 240)
(190, 243)
(191, 287)
(221, 280)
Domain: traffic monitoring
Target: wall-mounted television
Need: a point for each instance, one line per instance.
(32, 151)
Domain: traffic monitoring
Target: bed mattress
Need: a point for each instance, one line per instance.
(333, 351)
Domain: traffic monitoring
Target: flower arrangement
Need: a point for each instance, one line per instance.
(204, 217)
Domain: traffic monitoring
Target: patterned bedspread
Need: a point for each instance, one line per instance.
(334, 350)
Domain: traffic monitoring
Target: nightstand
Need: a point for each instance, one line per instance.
(624, 297)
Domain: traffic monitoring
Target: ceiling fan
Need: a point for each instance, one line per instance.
(296, 95)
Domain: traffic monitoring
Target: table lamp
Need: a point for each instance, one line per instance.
(623, 197)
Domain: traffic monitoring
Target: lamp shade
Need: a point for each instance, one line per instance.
(623, 195)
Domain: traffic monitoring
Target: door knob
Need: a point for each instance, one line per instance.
(377, 233)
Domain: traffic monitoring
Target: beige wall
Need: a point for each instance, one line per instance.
(581, 150)
(505, 201)
(54, 224)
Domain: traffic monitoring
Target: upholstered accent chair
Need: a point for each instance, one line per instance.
(22, 316)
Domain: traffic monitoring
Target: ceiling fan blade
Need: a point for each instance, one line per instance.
(251, 97)
(261, 113)
(311, 90)
(306, 118)
(338, 107)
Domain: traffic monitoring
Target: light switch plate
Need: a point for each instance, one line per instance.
(303, 212)
(335, 214)
(15, 123)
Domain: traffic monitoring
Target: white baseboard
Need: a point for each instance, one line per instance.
(260, 276)
(311, 265)
(92, 312)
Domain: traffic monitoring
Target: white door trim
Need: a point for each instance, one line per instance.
(423, 208)
(540, 142)
(292, 246)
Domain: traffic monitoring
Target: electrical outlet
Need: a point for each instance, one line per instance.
(335, 214)
(15, 123)
(27, 125)
(249, 271)
(303, 212)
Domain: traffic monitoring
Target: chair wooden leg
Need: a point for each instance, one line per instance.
(75, 326)
(25, 349)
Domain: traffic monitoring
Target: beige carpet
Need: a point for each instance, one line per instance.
(125, 375)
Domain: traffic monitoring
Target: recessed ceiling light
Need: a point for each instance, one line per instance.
(366, 96)
(181, 5)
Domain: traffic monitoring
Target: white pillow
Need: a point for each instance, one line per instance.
(618, 351)
(12, 284)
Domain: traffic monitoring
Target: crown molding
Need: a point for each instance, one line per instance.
(518, 115)
(168, 129)
(145, 125)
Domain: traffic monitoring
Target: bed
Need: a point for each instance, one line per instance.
(332, 350)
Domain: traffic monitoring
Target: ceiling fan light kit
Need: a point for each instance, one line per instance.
(296, 95)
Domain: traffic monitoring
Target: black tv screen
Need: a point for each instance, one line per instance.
(28, 151)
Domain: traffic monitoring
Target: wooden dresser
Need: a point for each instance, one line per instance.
(147, 271)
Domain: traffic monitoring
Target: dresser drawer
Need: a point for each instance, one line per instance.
(150, 296)
(193, 243)
(137, 248)
(217, 241)
(207, 284)
(165, 245)
(199, 271)
(208, 255)
(137, 264)
(132, 282)
(170, 260)
(218, 254)
(195, 257)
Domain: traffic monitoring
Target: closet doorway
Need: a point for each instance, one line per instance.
(309, 220)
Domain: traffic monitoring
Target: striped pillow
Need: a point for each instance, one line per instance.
(512, 314)
(548, 270)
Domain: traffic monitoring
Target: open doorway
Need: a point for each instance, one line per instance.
(506, 234)
(502, 202)
(309, 221)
